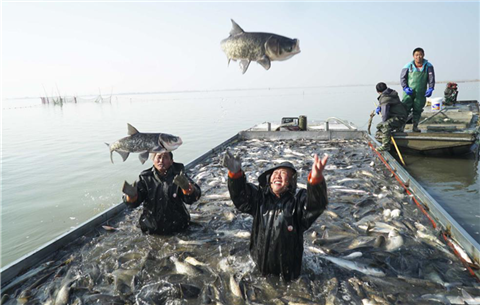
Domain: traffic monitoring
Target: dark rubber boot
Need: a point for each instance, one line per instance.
(415, 127)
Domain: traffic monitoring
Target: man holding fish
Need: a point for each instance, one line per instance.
(164, 189)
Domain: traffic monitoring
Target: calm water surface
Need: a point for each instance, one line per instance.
(57, 174)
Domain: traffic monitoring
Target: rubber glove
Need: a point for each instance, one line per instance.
(182, 181)
(377, 111)
(408, 90)
(429, 92)
(233, 164)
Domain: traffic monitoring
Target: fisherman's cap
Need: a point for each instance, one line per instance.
(262, 179)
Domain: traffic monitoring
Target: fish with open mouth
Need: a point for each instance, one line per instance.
(260, 47)
(143, 143)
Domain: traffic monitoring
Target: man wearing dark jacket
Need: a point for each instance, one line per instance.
(280, 214)
(164, 189)
(394, 114)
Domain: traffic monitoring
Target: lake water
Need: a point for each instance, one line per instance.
(56, 169)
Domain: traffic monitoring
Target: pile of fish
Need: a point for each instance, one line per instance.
(371, 246)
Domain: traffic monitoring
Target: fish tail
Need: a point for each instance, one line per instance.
(110, 149)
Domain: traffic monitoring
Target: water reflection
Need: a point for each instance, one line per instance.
(431, 170)
(454, 184)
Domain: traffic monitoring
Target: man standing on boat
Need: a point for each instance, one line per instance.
(280, 214)
(393, 112)
(414, 78)
(164, 189)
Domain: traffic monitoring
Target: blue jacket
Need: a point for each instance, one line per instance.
(411, 67)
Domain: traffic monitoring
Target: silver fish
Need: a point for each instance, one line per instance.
(235, 287)
(143, 143)
(352, 265)
(184, 268)
(395, 241)
(260, 47)
(64, 293)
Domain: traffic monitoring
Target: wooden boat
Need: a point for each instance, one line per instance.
(451, 131)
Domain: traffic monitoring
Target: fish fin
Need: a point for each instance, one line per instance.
(129, 189)
(244, 65)
(265, 62)
(131, 130)
(158, 149)
(467, 297)
(143, 157)
(111, 155)
(124, 154)
(236, 29)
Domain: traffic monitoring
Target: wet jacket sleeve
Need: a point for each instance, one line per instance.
(194, 196)
(385, 110)
(431, 76)
(142, 194)
(313, 202)
(404, 77)
(244, 195)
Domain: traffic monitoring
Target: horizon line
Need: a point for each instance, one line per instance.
(230, 89)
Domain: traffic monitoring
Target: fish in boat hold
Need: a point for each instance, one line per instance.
(144, 143)
(260, 47)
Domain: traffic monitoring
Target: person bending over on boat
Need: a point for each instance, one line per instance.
(394, 114)
(164, 189)
(414, 78)
(281, 214)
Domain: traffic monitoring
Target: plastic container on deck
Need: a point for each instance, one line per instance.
(437, 103)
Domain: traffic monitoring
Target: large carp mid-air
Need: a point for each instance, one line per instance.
(260, 47)
(143, 143)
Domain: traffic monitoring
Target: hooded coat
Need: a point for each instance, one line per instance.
(276, 242)
(164, 211)
(391, 105)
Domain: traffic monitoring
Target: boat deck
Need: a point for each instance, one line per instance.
(451, 131)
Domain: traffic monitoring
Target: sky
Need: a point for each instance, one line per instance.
(83, 48)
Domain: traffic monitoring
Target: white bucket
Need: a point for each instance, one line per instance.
(437, 103)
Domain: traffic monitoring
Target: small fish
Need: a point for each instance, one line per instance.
(235, 287)
(184, 268)
(194, 262)
(352, 265)
(64, 293)
(461, 252)
(109, 228)
(143, 143)
(394, 241)
(260, 47)
(193, 242)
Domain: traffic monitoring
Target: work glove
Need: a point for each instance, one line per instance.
(408, 90)
(429, 92)
(233, 164)
(377, 111)
(182, 181)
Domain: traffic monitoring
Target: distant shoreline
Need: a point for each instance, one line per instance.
(245, 89)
